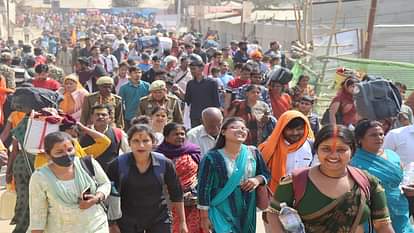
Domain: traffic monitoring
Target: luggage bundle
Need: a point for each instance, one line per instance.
(39, 125)
(26, 99)
(145, 42)
(377, 99)
(281, 75)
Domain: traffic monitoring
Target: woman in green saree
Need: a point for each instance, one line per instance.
(334, 199)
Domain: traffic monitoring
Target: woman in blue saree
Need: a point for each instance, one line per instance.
(385, 165)
(228, 177)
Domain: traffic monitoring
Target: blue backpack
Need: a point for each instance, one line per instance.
(124, 164)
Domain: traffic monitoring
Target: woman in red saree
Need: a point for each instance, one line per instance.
(281, 101)
(186, 157)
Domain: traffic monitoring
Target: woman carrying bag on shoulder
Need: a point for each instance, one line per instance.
(140, 177)
(229, 175)
(63, 196)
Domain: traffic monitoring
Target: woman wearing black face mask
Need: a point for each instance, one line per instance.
(63, 197)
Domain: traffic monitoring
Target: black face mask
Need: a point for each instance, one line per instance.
(65, 160)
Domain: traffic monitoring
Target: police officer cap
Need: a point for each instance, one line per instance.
(6, 56)
(105, 80)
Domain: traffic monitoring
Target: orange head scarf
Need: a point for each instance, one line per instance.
(75, 79)
(275, 150)
(68, 103)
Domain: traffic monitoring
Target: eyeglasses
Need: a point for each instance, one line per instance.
(242, 128)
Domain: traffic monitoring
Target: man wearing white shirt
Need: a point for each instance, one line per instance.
(119, 40)
(401, 141)
(183, 74)
(110, 61)
(205, 134)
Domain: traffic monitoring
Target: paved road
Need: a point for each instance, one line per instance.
(6, 228)
(4, 224)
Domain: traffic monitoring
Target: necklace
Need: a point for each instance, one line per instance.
(332, 177)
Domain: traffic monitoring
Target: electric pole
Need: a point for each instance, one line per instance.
(370, 29)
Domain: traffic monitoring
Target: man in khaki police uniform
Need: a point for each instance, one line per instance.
(6, 70)
(159, 97)
(55, 72)
(104, 96)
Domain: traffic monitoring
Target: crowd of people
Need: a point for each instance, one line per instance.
(185, 137)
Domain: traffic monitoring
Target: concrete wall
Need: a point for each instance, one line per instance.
(3, 18)
(393, 43)
(355, 14)
(264, 33)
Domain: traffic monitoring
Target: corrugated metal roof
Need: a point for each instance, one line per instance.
(277, 14)
(232, 20)
(220, 15)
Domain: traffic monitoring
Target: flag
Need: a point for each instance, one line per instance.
(73, 38)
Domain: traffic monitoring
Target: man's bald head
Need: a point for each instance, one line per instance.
(211, 112)
(212, 119)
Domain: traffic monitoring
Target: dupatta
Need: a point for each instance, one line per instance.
(59, 191)
(220, 212)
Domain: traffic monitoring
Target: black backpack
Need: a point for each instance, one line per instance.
(377, 99)
(26, 99)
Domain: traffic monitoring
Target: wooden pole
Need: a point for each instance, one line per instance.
(311, 19)
(305, 23)
(297, 22)
(370, 30)
(243, 28)
(328, 49)
(8, 19)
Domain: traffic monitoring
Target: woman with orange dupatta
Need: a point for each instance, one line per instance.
(4, 91)
(287, 148)
(73, 96)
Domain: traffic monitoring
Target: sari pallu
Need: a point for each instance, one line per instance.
(342, 215)
(186, 159)
(187, 169)
(390, 174)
